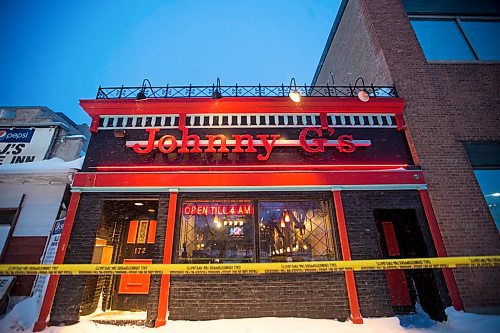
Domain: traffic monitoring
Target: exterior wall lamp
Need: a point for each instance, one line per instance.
(141, 94)
(363, 93)
(294, 94)
(217, 90)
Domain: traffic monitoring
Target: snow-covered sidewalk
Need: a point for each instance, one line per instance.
(21, 319)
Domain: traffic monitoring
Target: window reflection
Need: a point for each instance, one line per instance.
(489, 181)
(441, 40)
(481, 36)
(457, 38)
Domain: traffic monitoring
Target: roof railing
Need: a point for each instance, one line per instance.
(242, 91)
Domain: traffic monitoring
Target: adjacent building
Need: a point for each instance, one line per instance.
(444, 59)
(40, 151)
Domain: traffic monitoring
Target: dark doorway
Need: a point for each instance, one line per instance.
(126, 234)
(400, 236)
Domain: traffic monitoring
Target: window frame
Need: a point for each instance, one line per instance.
(457, 19)
(12, 226)
(255, 198)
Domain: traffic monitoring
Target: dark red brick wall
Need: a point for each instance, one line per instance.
(445, 104)
(24, 250)
(207, 297)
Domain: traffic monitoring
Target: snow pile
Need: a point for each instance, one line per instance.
(46, 165)
(22, 317)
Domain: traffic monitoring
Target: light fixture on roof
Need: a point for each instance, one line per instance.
(141, 94)
(333, 80)
(138, 204)
(294, 94)
(363, 93)
(217, 90)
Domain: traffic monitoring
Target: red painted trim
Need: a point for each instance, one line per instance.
(41, 323)
(94, 125)
(390, 239)
(297, 178)
(346, 255)
(152, 232)
(249, 167)
(132, 231)
(400, 122)
(235, 105)
(167, 259)
(396, 279)
(449, 278)
(135, 284)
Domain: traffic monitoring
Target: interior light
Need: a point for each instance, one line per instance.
(282, 222)
(138, 204)
(216, 219)
(287, 216)
(151, 210)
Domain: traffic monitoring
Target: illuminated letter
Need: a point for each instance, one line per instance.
(268, 145)
(185, 140)
(319, 142)
(211, 143)
(345, 144)
(239, 141)
(161, 144)
(151, 142)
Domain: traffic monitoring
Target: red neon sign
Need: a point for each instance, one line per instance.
(244, 143)
(196, 208)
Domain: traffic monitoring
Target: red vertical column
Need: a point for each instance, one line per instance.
(449, 278)
(50, 292)
(167, 259)
(346, 255)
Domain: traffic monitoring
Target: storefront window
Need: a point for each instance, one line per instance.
(225, 231)
(217, 232)
(296, 231)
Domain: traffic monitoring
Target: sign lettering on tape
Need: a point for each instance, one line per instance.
(252, 268)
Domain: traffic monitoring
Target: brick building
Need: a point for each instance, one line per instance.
(34, 196)
(444, 61)
(171, 178)
(174, 175)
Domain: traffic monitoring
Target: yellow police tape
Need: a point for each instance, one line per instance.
(253, 268)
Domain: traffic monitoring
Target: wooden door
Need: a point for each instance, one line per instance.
(138, 250)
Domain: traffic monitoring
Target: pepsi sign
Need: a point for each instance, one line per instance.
(16, 135)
